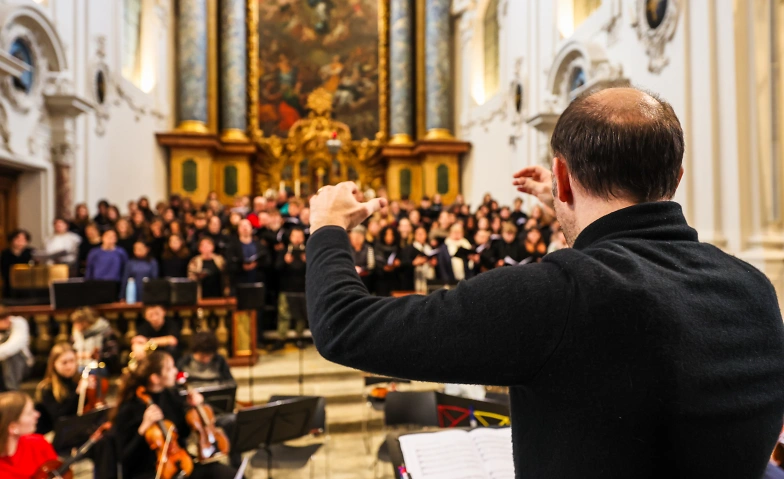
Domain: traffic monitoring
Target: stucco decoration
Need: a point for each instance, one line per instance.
(100, 94)
(656, 22)
(579, 67)
(28, 24)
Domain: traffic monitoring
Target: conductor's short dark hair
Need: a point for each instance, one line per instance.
(204, 342)
(630, 149)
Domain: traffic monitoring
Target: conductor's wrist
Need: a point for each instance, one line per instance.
(342, 223)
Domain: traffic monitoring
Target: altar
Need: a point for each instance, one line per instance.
(291, 96)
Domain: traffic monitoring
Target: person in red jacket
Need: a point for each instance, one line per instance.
(259, 207)
(21, 451)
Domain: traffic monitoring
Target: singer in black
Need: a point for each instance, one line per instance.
(291, 301)
(640, 352)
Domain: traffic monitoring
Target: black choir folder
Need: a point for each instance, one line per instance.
(459, 454)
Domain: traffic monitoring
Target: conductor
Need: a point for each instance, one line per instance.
(640, 352)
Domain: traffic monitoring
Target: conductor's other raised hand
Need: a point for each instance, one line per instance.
(537, 181)
(338, 206)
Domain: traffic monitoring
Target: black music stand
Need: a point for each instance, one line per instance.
(251, 298)
(298, 310)
(78, 292)
(261, 427)
(220, 395)
(73, 431)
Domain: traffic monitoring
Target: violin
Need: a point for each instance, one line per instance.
(172, 460)
(59, 469)
(213, 443)
(92, 396)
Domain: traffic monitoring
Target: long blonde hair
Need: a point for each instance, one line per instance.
(51, 378)
(12, 404)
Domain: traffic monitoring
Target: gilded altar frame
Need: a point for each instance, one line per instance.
(275, 153)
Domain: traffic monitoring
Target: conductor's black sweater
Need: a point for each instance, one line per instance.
(639, 353)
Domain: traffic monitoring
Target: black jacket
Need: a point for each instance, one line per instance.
(641, 352)
(235, 259)
(292, 276)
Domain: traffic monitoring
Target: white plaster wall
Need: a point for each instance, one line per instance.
(699, 82)
(124, 161)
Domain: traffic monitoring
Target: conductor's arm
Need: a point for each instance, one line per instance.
(499, 328)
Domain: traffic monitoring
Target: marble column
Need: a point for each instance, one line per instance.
(401, 56)
(233, 59)
(437, 67)
(192, 65)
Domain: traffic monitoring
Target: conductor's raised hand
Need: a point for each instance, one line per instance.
(537, 181)
(338, 206)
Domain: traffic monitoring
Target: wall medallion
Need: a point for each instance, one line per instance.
(656, 22)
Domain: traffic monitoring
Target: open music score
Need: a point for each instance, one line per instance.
(483, 453)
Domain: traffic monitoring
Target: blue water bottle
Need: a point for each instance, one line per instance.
(130, 291)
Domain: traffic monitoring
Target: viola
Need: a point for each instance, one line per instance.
(57, 468)
(213, 443)
(172, 460)
(92, 396)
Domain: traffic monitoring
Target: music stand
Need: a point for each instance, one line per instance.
(273, 423)
(73, 431)
(250, 298)
(298, 310)
(220, 395)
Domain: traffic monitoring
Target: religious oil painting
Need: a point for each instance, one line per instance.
(308, 44)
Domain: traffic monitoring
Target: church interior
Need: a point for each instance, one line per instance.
(172, 130)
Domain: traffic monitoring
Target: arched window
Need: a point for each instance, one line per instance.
(21, 51)
(131, 42)
(571, 13)
(491, 48)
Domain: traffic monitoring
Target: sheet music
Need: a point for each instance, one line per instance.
(480, 454)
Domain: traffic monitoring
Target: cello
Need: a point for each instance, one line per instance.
(61, 469)
(213, 443)
(172, 461)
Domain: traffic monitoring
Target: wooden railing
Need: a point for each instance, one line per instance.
(235, 330)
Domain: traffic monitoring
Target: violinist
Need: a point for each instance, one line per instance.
(22, 451)
(58, 392)
(94, 340)
(156, 375)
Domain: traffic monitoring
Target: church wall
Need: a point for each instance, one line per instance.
(698, 80)
(112, 150)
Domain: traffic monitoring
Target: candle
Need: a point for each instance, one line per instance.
(282, 186)
(296, 188)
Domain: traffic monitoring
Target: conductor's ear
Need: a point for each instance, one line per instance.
(562, 189)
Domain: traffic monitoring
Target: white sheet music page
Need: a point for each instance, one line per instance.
(441, 455)
(495, 451)
(459, 454)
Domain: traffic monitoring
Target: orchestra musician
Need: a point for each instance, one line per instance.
(58, 392)
(94, 340)
(22, 451)
(156, 374)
